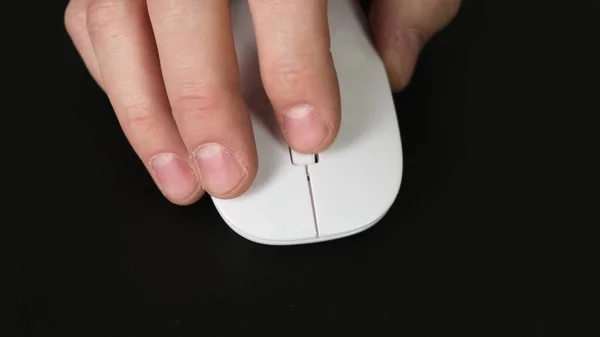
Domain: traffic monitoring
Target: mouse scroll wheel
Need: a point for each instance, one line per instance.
(302, 159)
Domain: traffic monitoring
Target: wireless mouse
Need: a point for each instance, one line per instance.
(298, 198)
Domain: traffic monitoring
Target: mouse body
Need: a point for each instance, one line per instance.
(299, 198)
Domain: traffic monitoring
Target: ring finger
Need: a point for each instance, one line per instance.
(125, 51)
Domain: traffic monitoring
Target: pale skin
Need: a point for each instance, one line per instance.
(170, 71)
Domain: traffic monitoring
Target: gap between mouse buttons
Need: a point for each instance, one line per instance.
(312, 200)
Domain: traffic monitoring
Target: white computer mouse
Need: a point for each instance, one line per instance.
(298, 198)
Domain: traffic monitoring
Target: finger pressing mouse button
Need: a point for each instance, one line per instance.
(301, 159)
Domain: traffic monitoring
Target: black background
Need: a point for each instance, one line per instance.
(492, 233)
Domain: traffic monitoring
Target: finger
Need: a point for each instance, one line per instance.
(121, 36)
(76, 25)
(401, 28)
(297, 70)
(199, 65)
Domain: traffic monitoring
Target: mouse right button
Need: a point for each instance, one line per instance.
(358, 178)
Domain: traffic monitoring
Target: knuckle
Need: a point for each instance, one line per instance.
(269, 4)
(139, 117)
(195, 100)
(288, 74)
(174, 10)
(75, 17)
(102, 14)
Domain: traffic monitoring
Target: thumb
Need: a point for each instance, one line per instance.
(400, 29)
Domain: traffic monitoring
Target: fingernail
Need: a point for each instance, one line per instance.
(220, 171)
(174, 176)
(401, 58)
(304, 127)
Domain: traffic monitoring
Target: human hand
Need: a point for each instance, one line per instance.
(170, 71)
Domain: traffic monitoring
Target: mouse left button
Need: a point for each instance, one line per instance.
(277, 209)
(277, 212)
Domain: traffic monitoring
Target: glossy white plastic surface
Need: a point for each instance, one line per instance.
(294, 199)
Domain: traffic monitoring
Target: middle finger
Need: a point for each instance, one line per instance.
(199, 65)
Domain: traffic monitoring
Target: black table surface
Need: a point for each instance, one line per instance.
(491, 235)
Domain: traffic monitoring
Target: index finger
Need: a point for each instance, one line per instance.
(297, 70)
